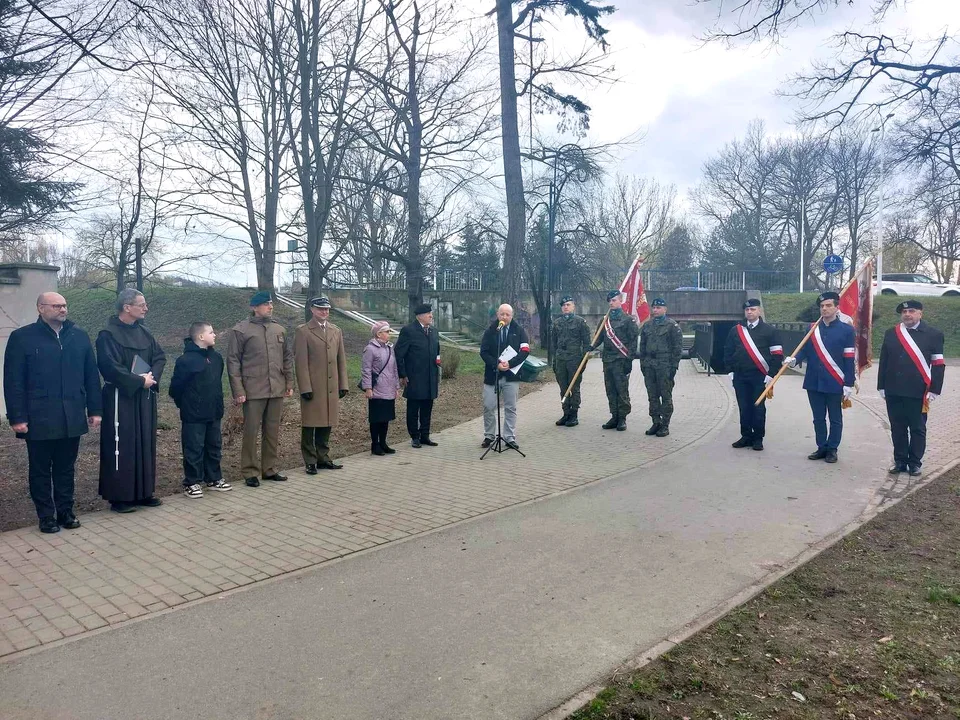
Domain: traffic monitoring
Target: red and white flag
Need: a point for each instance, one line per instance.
(856, 308)
(635, 302)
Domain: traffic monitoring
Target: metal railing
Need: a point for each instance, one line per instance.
(761, 280)
(702, 350)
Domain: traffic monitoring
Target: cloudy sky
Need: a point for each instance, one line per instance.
(689, 99)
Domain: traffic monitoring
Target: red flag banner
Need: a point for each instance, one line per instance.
(856, 308)
(635, 302)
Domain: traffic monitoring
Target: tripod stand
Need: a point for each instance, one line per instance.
(499, 445)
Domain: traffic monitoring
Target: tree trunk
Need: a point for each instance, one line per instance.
(512, 172)
(414, 263)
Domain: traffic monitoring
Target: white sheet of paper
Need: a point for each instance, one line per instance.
(509, 354)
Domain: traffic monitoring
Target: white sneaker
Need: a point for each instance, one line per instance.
(220, 486)
(194, 491)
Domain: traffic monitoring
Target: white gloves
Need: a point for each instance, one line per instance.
(883, 394)
(847, 392)
(790, 361)
(767, 380)
(931, 397)
(731, 378)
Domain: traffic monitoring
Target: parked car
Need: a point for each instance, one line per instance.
(914, 284)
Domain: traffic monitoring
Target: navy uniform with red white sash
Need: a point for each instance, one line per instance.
(753, 355)
(911, 375)
(830, 376)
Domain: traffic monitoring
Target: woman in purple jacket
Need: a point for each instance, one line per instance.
(381, 384)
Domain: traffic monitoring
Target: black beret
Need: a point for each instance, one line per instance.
(422, 308)
(658, 302)
(909, 305)
(320, 302)
(613, 294)
(752, 302)
(829, 295)
(565, 299)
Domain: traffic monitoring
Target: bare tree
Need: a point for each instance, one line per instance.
(857, 166)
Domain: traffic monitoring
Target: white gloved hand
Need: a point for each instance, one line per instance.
(767, 380)
(730, 375)
(847, 392)
(883, 394)
(931, 397)
(790, 361)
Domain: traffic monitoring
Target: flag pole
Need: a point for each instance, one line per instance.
(768, 390)
(586, 355)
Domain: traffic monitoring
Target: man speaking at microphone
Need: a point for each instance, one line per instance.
(499, 374)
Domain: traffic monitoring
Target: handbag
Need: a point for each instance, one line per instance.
(375, 375)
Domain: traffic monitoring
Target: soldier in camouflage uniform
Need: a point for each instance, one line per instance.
(570, 340)
(619, 348)
(661, 342)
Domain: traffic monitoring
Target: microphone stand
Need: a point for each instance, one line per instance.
(499, 445)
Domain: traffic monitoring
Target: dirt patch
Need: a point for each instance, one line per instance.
(868, 629)
(459, 400)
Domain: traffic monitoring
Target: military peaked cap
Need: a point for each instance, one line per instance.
(320, 302)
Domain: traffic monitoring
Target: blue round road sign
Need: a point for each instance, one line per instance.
(833, 264)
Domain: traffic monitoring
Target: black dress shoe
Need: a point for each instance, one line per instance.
(914, 471)
(69, 521)
(428, 442)
(49, 525)
(818, 455)
(610, 424)
(252, 482)
(512, 444)
(652, 430)
(621, 424)
(123, 507)
(758, 445)
(328, 465)
(387, 449)
(831, 456)
(311, 470)
(415, 442)
(150, 502)
(742, 443)
(276, 477)
(897, 468)
(376, 450)
(487, 442)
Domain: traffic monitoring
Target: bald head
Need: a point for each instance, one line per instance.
(505, 314)
(52, 308)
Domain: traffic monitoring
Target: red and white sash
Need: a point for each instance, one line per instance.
(826, 358)
(752, 350)
(612, 336)
(913, 352)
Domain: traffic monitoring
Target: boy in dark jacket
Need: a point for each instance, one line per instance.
(197, 389)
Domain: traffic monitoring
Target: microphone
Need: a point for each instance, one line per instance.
(501, 324)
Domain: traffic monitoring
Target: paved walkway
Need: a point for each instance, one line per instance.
(501, 617)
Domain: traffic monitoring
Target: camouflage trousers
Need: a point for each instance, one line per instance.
(659, 384)
(565, 368)
(616, 381)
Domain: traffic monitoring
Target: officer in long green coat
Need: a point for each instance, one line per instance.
(618, 335)
(661, 342)
(570, 340)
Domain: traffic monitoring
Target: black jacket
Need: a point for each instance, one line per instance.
(898, 375)
(50, 383)
(197, 384)
(766, 337)
(417, 354)
(491, 347)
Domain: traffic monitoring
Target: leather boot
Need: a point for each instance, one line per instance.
(611, 423)
(653, 429)
(621, 424)
(563, 420)
(572, 420)
(663, 431)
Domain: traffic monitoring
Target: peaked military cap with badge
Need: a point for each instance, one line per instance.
(321, 301)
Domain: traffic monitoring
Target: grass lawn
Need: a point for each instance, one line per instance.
(868, 629)
(941, 312)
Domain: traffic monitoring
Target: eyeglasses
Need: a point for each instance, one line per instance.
(54, 306)
(143, 304)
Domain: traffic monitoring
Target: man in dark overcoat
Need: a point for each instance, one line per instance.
(418, 363)
(52, 393)
(131, 362)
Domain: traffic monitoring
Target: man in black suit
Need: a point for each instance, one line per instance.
(52, 391)
(418, 363)
(910, 379)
